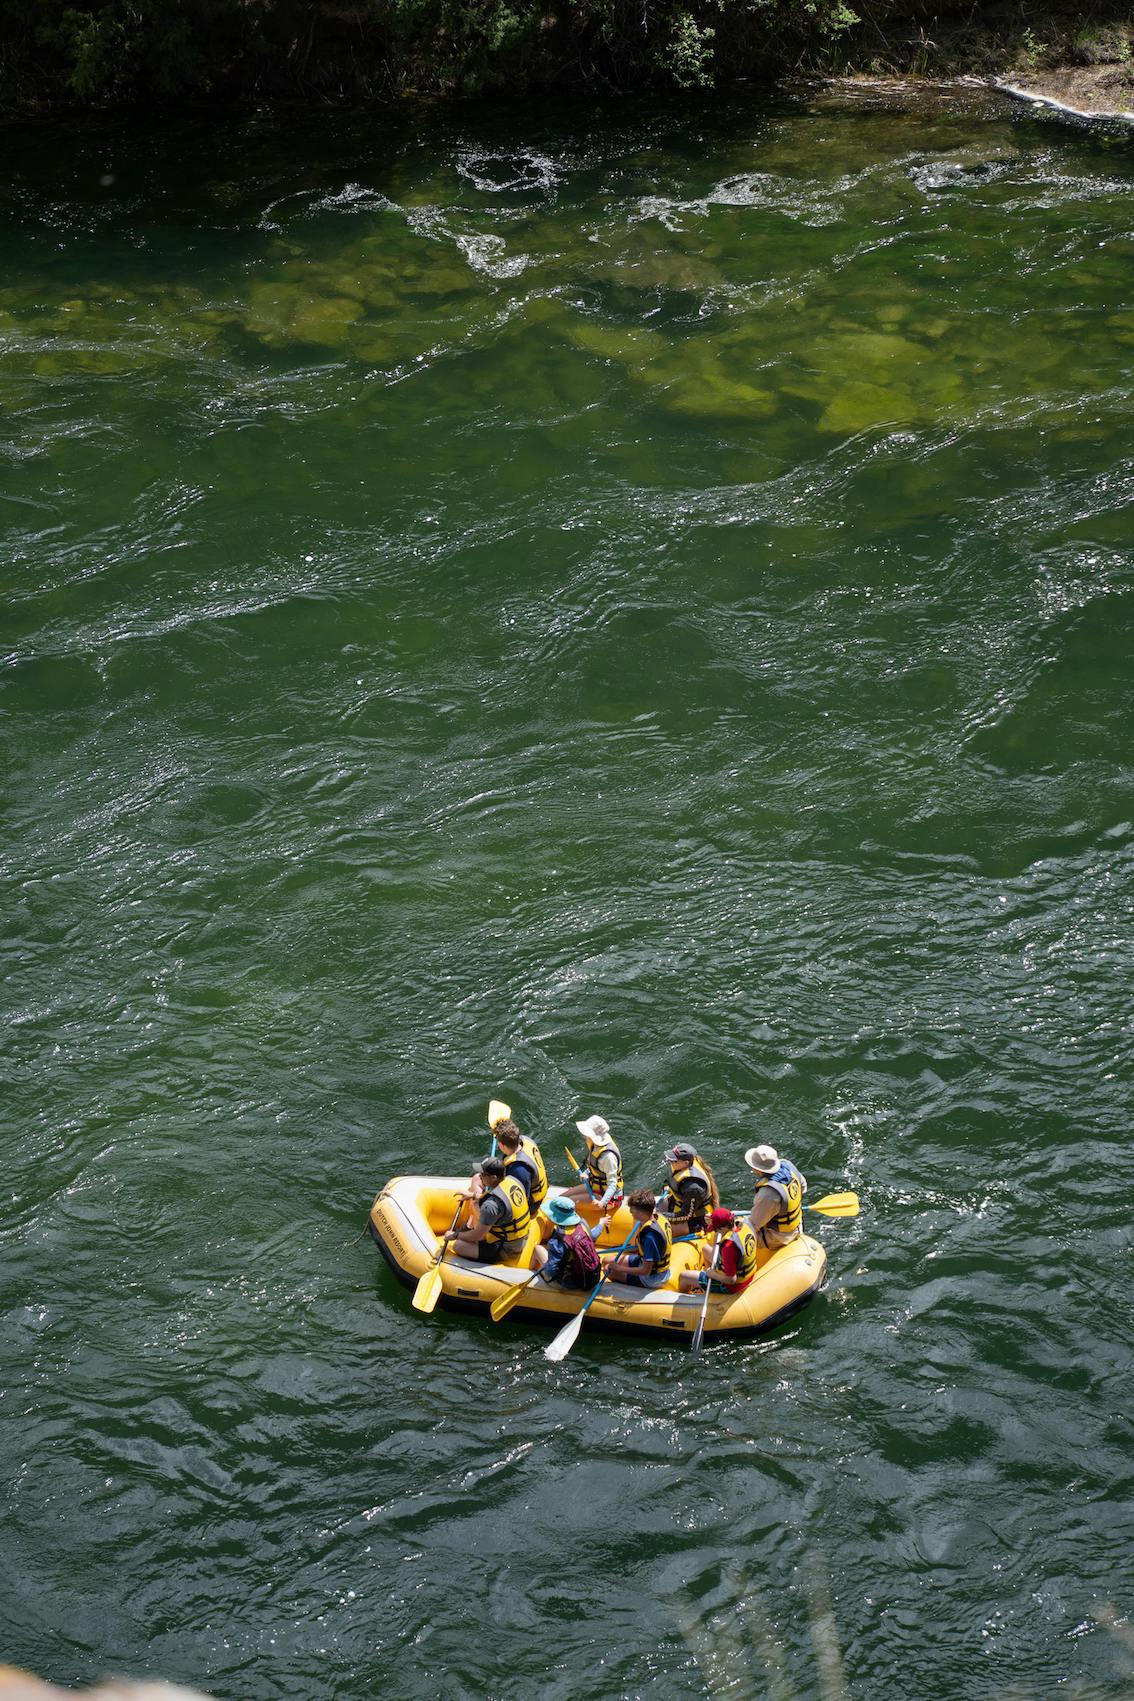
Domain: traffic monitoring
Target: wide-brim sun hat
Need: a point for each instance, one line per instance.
(596, 1129)
(561, 1212)
(763, 1159)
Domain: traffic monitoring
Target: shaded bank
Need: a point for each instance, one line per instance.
(55, 55)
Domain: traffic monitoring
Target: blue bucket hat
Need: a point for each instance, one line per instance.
(561, 1211)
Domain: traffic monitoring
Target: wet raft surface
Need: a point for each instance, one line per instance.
(630, 612)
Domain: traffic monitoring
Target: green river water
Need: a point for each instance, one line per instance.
(624, 610)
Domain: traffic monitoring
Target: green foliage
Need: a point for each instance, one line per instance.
(1030, 51)
(92, 52)
(102, 52)
(1104, 44)
(689, 54)
(112, 48)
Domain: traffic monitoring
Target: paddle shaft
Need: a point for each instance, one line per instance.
(568, 1335)
(699, 1332)
(572, 1160)
(441, 1249)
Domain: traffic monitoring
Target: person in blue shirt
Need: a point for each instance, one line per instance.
(646, 1263)
(560, 1257)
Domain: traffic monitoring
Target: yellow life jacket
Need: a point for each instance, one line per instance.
(661, 1268)
(743, 1237)
(788, 1184)
(515, 1197)
(696, 1170)
(597, 1178)
(539, 1185)
(527, 1153)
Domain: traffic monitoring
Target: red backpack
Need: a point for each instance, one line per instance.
(584, 1256)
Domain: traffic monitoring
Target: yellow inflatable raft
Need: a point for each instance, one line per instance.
(412, 1212)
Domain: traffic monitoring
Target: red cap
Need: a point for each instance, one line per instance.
(720, 1218)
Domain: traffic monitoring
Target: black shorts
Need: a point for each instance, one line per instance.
(495, 1251)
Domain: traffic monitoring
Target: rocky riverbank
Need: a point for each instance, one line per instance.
(1094, 91)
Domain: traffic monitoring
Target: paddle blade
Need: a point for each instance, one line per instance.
(501, 1306)
(498, 1111)
(571, 1160)
(565, 1339)
(837, 1205)
(699, 1336)
(428, 1290)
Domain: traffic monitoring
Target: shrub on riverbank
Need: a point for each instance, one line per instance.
(130, 52)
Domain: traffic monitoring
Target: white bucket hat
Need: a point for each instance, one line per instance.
(763, 1159)
(595, 1129)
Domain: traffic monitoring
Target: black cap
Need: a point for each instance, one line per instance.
(493, 1166)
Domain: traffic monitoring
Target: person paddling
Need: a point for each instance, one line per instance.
(690, 1192)
(567, 1254)
(499, 1216)
(602, 1184)
(736, 1260)
(777, 1209)
(522, 1159)
(646, 1264)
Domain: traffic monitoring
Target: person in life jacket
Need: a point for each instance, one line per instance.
(522, 1159)
(566, 1253)
(499, 1216)
(777, 1209)
(602, 1183)
(646, 1263)
(691, 1191)
(737, 1251)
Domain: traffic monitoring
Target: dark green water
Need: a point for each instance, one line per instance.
(622, 612)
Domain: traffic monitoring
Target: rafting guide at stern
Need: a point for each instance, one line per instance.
(777, 1209)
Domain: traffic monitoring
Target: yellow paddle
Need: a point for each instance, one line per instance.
(836, 1205)
(428, 1289)
(502, 1306)
(571, 1160)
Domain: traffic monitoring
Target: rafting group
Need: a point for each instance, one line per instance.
(659, 1262)
(511, 1186)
